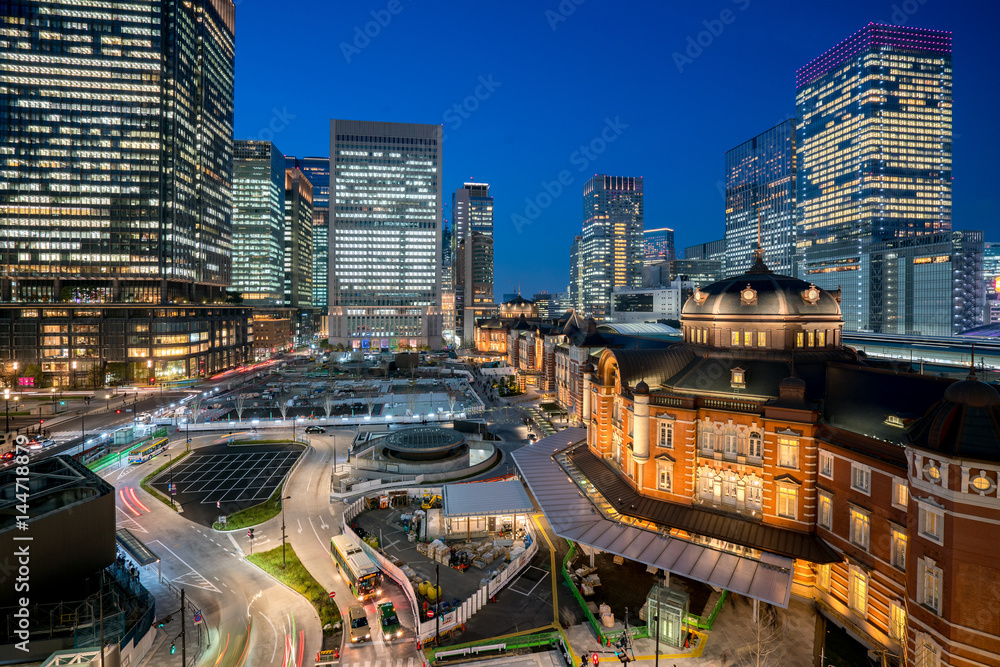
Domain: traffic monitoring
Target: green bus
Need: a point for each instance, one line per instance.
(356, 567)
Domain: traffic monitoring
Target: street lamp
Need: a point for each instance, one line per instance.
(107, 401)
(283, 499)
(72, 375)
(53, 400)
(6, 409)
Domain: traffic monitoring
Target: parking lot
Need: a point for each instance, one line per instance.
(223, 479)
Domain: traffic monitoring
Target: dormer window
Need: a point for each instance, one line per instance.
(894, 420)
(738, 380)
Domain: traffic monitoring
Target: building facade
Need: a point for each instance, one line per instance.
(611, 249)
(137, 207)
(259, 223)
(317, 171)
(385, 234)
(874, 143)
(991, 282)
(474, 283)
(472, 211)
(298, 240)
(658, 245)
(575, 288)
(713, 251)
(649, 304)
(929, 285)
(760, 200)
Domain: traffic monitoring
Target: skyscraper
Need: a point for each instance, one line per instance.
(575, 290)
(259, 223)
(874, 147)
(298, 240)
(317, 170)
(385, 234)
(472, 213)
(474, 276)
(116, 129)
(658, 245)
(612, 248)
(760, 189)
(121, 187)
(472, 210)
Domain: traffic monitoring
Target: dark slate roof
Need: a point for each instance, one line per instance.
(728, 528)
(859, 399)
(775, 295)
(654, 366)
(964, 424)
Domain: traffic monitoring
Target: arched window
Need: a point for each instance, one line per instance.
(756, 449)
(729, 444)
(729, 480)
(707, 439)
(706, 480)
(755, 492)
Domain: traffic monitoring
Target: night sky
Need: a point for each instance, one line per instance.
(534, 83)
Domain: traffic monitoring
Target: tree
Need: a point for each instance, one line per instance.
(96, 375)
(328, 403)
(763, 639)
(283, 407)
(241, 401)
(234, 297)
(195, 410)
(369, 403)
(10, 374)
(118, 373)
(33, 371)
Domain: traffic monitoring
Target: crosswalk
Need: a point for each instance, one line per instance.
(380, 662)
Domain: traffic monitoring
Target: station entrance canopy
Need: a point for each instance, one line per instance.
(574, 517)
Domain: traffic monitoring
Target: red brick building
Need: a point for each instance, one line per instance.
(870, 492)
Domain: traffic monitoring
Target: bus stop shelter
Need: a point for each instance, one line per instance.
(480, 508)
(136, 550)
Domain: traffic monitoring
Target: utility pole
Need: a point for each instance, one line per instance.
(101, 604)
(437, 604)
(183, 633)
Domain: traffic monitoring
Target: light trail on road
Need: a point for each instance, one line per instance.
(135, 499)
(121, 493)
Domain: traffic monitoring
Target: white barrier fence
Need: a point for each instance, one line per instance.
(426, 629)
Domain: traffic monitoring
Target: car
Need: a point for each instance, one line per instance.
(359, 624)
(315, 429)
(388, 621)
(6, 456)
(34, 444)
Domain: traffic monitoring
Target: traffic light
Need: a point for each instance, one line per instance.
(41, 421)
(62, 402)
(173, 648)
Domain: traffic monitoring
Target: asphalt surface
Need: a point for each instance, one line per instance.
(250, 619)
(222, 479)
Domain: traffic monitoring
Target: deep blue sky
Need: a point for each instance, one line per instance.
(555, 88)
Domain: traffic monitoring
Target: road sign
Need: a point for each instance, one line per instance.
(218, 505)
(332, 595)
(198, 618)
(173, 489)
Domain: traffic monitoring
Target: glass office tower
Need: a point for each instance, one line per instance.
(116, 122)
(760, 188)
(385, 234)
(658, 245)
(612, 246)
(874, 146)
(298, 240)
(259, 223)
(317, 170)
(472, 213)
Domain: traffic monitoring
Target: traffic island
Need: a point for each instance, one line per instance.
(148, 488)
(297, 577)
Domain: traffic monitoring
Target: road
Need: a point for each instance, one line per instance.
(310, 522)
(251, 618)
